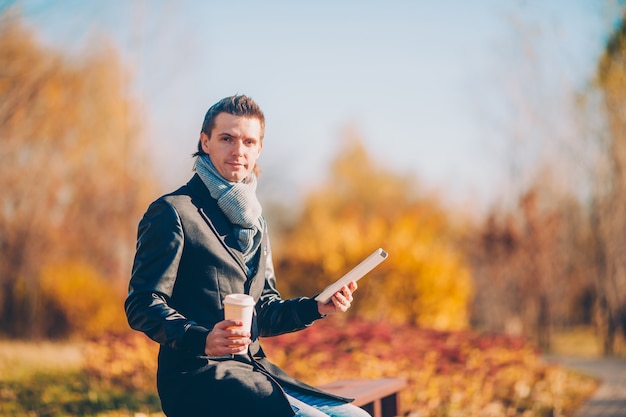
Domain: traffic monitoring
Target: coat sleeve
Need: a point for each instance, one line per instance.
(277, 316)
(159, 249)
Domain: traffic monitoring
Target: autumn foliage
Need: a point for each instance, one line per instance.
(608, 222)
(75, 297)
(361, 207)
(449, 373)
(74, 182)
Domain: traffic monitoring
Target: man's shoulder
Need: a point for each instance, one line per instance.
(194, 193)
(174, 198)
(180, 193)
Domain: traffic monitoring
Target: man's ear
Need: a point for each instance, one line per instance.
(204, 142)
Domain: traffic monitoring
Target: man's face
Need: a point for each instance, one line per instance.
(234, 145)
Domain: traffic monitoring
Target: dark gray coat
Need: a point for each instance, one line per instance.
(187, 261)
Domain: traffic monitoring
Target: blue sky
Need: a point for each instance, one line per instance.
(433, 88)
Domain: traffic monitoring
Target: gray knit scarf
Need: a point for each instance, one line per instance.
(239, 203)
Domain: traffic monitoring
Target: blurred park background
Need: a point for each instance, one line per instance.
(500, 196)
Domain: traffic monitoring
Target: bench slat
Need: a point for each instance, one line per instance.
(377, 396)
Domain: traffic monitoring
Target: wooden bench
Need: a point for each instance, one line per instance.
(379, 397)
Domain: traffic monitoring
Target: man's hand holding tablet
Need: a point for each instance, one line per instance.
(344, 298)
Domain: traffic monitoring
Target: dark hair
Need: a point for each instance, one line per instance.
(237, 105)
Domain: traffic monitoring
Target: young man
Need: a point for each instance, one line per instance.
(195, 246)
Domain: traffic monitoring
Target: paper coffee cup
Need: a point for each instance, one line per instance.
(239, 307)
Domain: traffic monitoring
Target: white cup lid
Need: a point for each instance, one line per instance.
(239, 300)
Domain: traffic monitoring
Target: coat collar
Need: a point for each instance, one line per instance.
(215, 218)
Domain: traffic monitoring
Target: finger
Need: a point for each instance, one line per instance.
(343, 292)
(236, 349)
(340, 302)
(237, 333)
(231, 349)
(232, 323)
(344, 296)
(238, 342)
(348, 289)
(226, 324)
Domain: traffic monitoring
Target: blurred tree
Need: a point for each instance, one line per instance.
(531, 257)
(360, 208)
(532, 265)
(73, 176)
(609, 208)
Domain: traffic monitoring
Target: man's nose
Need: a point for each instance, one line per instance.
(238, 147)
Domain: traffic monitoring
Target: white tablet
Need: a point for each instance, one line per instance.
(354, 274)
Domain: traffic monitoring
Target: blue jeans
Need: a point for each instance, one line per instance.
(307, 405)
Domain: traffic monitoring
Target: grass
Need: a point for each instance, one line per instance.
(49, 379)
(582, 342)
(20, 359)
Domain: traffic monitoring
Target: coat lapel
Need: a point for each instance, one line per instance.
(216, 219)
